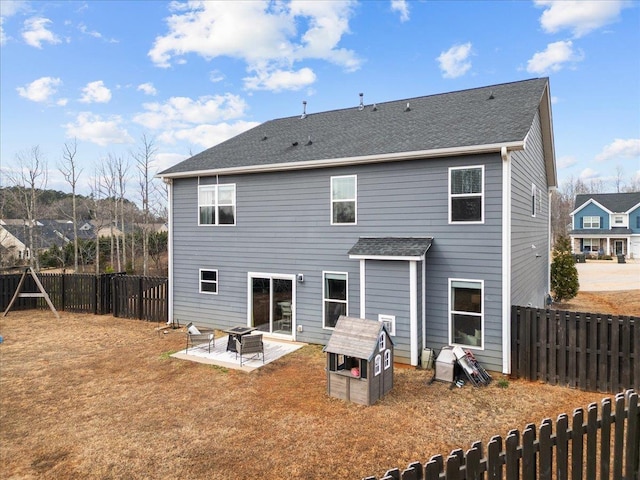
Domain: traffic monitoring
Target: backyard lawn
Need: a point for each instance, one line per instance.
(99, 397)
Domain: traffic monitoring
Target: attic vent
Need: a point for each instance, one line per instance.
(309, 142)
(407, 108)
(264, 138)
(491, 97)
(304, 110)
(361, 106)
(375, 107)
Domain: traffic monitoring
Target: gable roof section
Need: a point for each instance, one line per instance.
(469, 121)
(612, 202)
(355, 337)
(407, 248)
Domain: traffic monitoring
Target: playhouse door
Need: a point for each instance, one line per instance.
(272, 303)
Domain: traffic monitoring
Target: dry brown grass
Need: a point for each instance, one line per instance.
(99, 397)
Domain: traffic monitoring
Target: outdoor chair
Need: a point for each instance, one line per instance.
(198, 335)
(248, 344)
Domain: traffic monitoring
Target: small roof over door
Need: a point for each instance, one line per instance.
(391, 248)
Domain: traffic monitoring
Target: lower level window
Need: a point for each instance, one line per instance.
(591, 244)
(335, 297)
(466, 312)
(208, 281)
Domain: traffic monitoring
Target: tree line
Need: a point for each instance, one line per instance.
(125, 235)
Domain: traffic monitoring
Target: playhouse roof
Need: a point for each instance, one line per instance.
(355, 337)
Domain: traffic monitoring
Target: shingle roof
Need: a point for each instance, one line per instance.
(489, 115)
(391, 246)
(355, 337)
(614, 202)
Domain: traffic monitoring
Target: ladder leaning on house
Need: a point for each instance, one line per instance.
(19, 294)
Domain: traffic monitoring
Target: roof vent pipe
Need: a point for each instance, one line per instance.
(361, 106)
(408, 108)
(304, 109)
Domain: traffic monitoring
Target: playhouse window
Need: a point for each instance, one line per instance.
(466, 312)
(346, 364)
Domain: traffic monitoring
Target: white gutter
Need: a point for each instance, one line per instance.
(506, 261)
(363, 289)
(335, 162)
(413, 311)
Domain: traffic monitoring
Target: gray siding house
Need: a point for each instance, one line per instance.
(429, 214)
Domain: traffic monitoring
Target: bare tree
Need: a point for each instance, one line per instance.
(69, 169)
(144, 158)
(122, 169)
(30, 178)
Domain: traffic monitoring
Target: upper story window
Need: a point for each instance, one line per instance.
(591, 221)
(619, 221)
(344, 192)
(466, 194)
(534, 200)
(217, 204)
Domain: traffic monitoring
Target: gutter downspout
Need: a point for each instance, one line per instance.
(506, 260)
(169, 183)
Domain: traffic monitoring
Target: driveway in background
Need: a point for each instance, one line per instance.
(604, 275)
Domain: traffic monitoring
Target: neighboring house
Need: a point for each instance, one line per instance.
(14, 235)
(606, 223)
(430, 214)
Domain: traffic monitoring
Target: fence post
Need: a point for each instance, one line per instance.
(62, 292)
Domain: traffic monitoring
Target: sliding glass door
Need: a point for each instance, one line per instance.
(272, 303)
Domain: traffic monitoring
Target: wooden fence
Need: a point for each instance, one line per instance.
(120, 295)
(587, 447)
(589, 351)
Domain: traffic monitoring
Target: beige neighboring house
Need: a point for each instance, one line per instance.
(103, 230)
(10, 241)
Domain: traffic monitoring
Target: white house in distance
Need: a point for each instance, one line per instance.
(430, 214)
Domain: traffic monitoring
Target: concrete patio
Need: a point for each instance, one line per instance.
(273, 350)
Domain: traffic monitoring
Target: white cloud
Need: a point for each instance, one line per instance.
(402, 8)
(207, 135)
(35, 32)
(95, 92)
(181, 112)
(579, 16)
(147, 88)
(567, 161)
(40, 90)
(8, 8)
(95, 129)
(589, 174)
(454, 62)
(216, 76)
(620, 148)
(264, 34)
(94, 33)
(280, 80)
(554, 58)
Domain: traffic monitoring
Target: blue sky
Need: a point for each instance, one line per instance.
(192, 74)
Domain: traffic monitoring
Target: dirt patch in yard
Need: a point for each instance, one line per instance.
(99, 397)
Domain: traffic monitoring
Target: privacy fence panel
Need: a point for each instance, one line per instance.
(591, 446)
(144, 298)
(589, 351)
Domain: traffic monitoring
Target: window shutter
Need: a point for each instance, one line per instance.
(602, 224)
(638, 221)
(581, 222)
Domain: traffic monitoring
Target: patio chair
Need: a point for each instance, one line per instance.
(198, 335)
(248, 344)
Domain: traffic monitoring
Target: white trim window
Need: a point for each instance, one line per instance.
(387, 359)
(334, 295)
(619, 220)
(217, 204)
(466, 312)
(591, 221)
(534, 199)
(208, 281)
(466, 194)
(344, 204)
